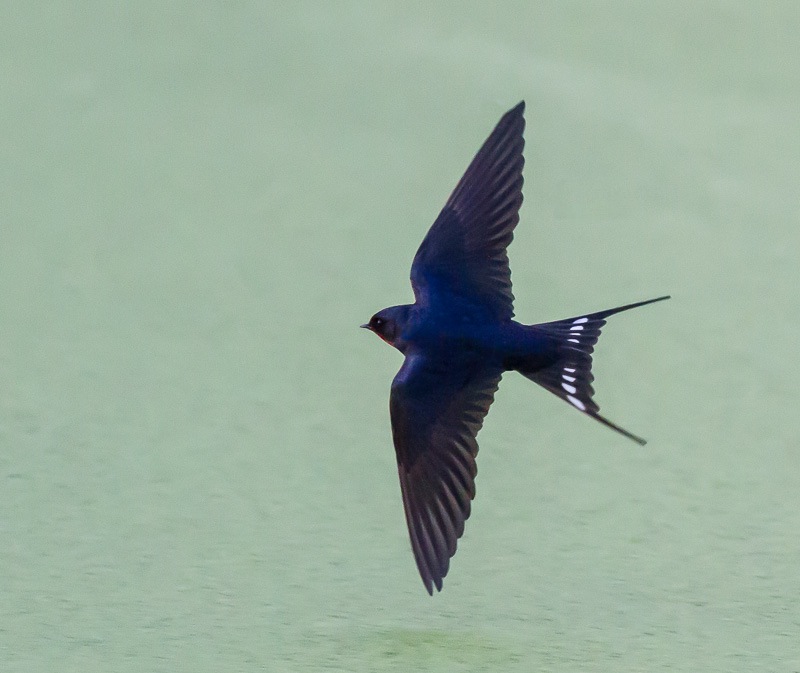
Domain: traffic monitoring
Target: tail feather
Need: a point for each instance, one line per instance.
(570, 376)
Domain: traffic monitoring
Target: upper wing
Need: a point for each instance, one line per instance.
(464, 252)
(437, 409)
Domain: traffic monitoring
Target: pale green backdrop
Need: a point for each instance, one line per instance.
(199, 204)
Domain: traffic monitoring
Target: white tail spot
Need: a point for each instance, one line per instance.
(571, 370)
(569, 388)
(580, 321)
(575, 341)
(576, 328)
(575, 402)
(571, 379)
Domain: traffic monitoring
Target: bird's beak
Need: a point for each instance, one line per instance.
(365, 325)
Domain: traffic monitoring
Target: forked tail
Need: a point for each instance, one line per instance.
(570, 375)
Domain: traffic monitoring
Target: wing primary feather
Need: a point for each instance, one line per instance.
(416, 543)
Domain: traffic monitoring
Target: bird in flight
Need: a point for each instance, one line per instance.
(458, 337)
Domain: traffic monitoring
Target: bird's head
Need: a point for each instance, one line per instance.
(388, 325)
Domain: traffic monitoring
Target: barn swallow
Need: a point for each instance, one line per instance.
(458, 338)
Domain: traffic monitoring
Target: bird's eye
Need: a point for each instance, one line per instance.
(377, 322)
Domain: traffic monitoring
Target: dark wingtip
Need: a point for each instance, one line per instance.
(433, 583)
(516, 112)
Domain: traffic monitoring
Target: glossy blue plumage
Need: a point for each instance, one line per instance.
(459, 337)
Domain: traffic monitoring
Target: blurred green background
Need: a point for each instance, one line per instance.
(200, 202)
